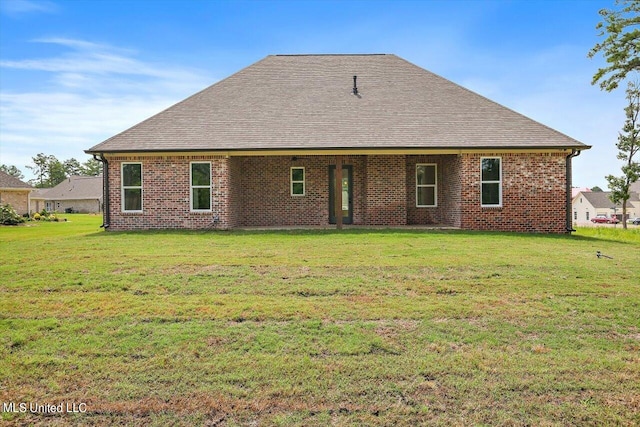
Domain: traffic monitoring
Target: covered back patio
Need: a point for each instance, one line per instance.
(377, 190)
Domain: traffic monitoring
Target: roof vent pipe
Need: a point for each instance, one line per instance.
(355, 87)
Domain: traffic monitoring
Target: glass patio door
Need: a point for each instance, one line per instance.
(347, 194)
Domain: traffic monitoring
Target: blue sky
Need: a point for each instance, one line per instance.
(75, 72)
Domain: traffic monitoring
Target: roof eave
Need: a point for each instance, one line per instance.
(579, 147)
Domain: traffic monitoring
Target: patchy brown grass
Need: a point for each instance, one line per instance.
(319, 328)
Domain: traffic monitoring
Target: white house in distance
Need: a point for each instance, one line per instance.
(587, 204)
(576, 190)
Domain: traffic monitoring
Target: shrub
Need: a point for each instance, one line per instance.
(8, 216)
(36, 216)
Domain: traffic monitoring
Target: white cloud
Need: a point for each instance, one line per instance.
(15, 8)
(88, 94)
(97, 59)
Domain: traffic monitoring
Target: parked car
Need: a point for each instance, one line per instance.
(603, 219)
(634, 221)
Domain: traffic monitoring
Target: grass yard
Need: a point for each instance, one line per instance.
(312, 328)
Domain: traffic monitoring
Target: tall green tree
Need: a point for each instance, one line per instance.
(40, 169)
(12, 170)
(72, 167)
(92, 167)
(49, 171)
(57, 172)
(621, 46)
(628, 146)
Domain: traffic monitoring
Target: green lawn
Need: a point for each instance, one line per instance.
(311, 328)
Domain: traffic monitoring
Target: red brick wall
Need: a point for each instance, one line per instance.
(386, 190)
(165, 194)
(533, 194)
(255, 191)
(265, 198)
(447, 211)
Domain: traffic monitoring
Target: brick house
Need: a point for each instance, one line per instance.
(81, 194)
(16, 193)
(267, 145)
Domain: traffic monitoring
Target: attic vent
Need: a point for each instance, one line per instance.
(355, 86)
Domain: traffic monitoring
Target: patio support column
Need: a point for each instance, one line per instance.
(338, 193)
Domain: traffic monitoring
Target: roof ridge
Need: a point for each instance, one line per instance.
(332, 54)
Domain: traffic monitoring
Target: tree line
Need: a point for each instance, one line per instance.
(621, 51)
(49, 171)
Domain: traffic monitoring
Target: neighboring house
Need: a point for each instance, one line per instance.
(38, 202)
(576, 190)
(15, 193)
(75, 194)
(586, 205)
(261, 148)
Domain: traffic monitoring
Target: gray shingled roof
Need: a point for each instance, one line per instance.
(306, 101)
(39, 193)
(601, 200)
(8, 181)
(76, 188)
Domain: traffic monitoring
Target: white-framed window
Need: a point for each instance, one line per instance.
(297, 181)
(491, 181)
(200, 179)
(587, 215)
(426, 185)
(131, 187)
